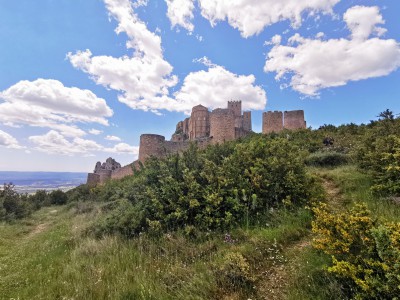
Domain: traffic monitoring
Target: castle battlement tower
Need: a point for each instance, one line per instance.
(236, 107)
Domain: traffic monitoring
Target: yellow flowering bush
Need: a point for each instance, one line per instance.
(365, 254)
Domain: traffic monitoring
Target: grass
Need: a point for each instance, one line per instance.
(355, 186)
(50, 256)
(309, 280)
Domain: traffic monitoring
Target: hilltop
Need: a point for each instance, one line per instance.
(304, 214)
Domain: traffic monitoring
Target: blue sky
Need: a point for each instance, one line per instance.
(82, 80)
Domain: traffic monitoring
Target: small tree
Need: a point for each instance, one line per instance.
(58, 197)
(386, 115)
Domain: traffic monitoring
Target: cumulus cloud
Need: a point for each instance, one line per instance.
(123, 148)
(142, 79)
(95, 131)
(215, 86)
(53, 142)
(8, 141)
(250, 17)
(315, 64)
(113, 138)
(48, 103)
(180, 13)
(363, 20)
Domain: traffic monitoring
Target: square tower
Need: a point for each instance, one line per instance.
(236, 107)
(294, 119)
(272, 121)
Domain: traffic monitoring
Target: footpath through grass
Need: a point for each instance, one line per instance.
(49, 256)
(345, 186)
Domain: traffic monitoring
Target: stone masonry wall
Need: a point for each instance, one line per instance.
(272, 121)
(93, 179)
(122, 172)
(105, 175)
(151, 145)
(236, 107)
(247, 121)
(294, 119)
(222, 123)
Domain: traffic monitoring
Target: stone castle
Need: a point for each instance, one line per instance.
(203, 127)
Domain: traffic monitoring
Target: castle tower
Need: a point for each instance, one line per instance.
(151, 145)
(222, 125)
(272, 121)
(236, 107)
(294, 119)
(247, 121)
(199, 124)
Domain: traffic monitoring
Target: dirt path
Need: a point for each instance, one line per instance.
(277, 278)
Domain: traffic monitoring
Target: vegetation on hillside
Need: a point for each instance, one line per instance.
(307, 214)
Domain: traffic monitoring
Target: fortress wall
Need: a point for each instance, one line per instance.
(272, 121)
(151, 145)
(247, 121)
(104, 175)
(176, 147)
(236, 107)
(294, 119)
(239, 122)
(122, 172)
(240, 132)
(93, 179)
(203, 143)
(222, 125)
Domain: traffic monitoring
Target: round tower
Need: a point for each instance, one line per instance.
(222, 125)
(199, 122)
(151, 145)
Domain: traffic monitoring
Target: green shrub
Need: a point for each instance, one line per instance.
(58, 197)
(234, 272)
(12, 204)
(326, 159)
(122, 217)
(365, 255)
(216, 188)
(39, 199)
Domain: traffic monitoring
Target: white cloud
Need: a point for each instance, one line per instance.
(95, 131)
(314, 64)
(48, 103)
(180, 13)
(112, 138)
(123, 148)
(214, 87)
(8, 141)
(54, 142)
(250, 17)
(142, 79)
(362, 21)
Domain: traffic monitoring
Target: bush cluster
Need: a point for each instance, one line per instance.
(365, 254)
(326, 159)
(379, 154)
(17, 206)
(212, 189)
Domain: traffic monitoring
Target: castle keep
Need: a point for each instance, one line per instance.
(203, 127)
